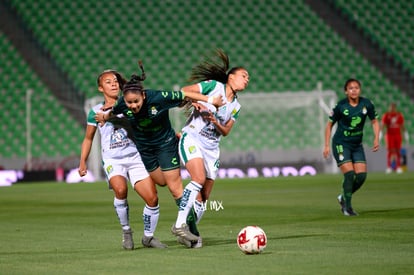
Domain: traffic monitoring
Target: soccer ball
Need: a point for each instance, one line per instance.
(252, 240)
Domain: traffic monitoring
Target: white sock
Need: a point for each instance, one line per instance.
(150, 217)
(199, 209)
(187, 201)
(122, 211)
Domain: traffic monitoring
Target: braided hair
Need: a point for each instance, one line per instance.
(135, 83)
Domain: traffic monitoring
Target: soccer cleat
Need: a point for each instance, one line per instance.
(198, 243)
(399, 170)
(191, 244)
(183, 232)
(184, 242)
(388, 170)
(127, 241)
(341, 202)
(349, 212)
(152, 242)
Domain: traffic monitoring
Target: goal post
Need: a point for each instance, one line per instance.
(95, 157)
(277, 127)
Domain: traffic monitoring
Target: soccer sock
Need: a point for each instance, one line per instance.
(191, 220)
(150, 217)
(389, 159)
(187, 200)
(122, 211)
(347, 187)
(359, 181)
(199, 209)
(398, 159)
(178, 202)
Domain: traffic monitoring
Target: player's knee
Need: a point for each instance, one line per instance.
(360, 177)
(199, 178)
(152, 201)
(120, 190)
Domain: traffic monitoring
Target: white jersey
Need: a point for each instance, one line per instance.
(205, 131)
(115, 143)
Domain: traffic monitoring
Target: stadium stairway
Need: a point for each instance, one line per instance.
(344, 18)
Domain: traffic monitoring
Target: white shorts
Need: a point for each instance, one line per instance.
(190, 148)
(130, 167)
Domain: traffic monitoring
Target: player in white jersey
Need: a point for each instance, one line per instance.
(121, 162)
(200, 138)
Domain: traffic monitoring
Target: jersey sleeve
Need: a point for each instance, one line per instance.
(384, 119)
(207, 86)
(372, 113)
(334, 116)
(120, 106)
(235, 113)
(401, 117)
(90, 120)
(166, 99)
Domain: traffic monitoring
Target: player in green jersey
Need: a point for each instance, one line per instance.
(350, 115)
(121, 162)
(148, 114)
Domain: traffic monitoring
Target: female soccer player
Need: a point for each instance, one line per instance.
(121, 161)
(200, 138)
(156, 140)
(351, 113)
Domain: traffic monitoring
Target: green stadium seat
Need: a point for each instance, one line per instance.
(290, 53)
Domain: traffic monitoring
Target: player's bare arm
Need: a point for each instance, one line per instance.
(376, 129)
(326, 148)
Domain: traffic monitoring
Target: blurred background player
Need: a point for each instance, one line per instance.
(121, 161)
(200, 139)
(393, 122)
(350, 114)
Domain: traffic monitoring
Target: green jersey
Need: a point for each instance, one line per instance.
(351, 120)
(151, 125)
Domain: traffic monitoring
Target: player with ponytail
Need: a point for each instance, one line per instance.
(200, 139)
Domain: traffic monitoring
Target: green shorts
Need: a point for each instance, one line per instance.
(344, 152)
(164, 155)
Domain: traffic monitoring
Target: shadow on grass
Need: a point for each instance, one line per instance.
(218, 242)
(380, 211)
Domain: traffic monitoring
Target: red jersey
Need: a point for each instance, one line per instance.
(393, 121)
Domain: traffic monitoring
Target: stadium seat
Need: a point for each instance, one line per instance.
(284, 45)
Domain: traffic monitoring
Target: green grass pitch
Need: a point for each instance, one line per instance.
(58, 228)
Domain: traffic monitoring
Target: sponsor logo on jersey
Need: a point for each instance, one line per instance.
(154, 111)
(192, 149)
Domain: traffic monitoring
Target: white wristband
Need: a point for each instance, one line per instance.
(210, 100)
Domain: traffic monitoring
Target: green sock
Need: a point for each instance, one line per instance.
(359, 181)
(191, 219)
(347, 187)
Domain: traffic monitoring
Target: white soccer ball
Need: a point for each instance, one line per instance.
(252, 240)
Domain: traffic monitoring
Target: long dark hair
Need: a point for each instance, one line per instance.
(213, 67)
(133, 85)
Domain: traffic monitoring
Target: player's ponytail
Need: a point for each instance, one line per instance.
(213, 67)
(135, 83)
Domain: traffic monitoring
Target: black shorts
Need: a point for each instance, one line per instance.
(344, 152)
(164, 155)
